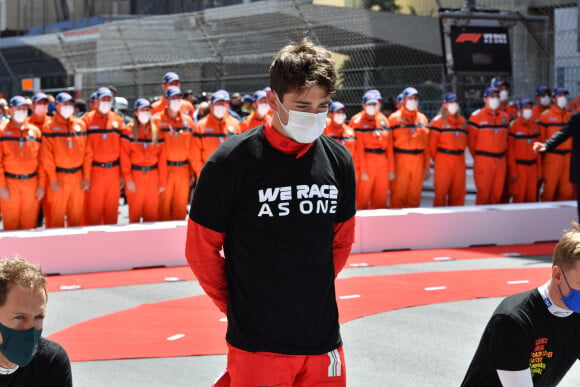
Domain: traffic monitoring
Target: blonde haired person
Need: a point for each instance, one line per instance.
(26, 358)
(143, 164)
(533, 338)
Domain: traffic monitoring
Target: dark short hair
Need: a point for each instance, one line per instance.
(300, 66)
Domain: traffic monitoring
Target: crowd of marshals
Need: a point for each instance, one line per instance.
(75, 168)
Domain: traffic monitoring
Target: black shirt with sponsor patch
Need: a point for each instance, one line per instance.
(278, 214)
(523, 334)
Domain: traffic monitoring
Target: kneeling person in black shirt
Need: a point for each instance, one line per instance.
(533, 338)
(26, 358)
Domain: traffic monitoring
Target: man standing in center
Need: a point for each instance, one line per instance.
(280, 200)
(487, 138)
(104, 128)
(411, 150)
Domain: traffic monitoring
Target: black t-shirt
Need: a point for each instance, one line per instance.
(50, 367)
(278, 213)
(523, 334)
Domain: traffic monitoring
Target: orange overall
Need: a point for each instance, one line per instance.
(144, 163)
(253, 121)
(177, 136)
(161, 104)
(411, 150)
(344, 134)
(447, 143)
(39, 122)
(487, 138)
(102, 200)
(20, 172)
(556, 163)
(537, 111)
(66, 157)
(209, 134)
(374, 154)
(524, 166)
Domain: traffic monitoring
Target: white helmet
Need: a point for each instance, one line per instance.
(121, 103)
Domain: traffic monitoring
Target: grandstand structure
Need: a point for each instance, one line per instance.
(231, 47)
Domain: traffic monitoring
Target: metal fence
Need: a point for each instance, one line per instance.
(232, 48)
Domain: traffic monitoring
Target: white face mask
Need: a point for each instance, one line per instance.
(493, 103)
(526, 114)
(303, 127)
(40, 110)
(262, 109)
(144, 116)
(562, 102)
(411, 105)
(339, 118)
(503, 95)
(175, 105)
(20, 116)
(371, 110)
(545, 100)
(66, 111)
(219, 111)
(452, 108)
(105, 107)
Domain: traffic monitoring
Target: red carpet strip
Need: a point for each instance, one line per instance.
(421, 256)
(193, 325)
(183, 273)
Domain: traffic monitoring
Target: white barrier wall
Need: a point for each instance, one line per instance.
(106, 248)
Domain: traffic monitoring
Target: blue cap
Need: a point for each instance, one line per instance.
(220, 95)
(247, 98)
(399, 98)
(498, 81)
(93, 96)
(559, 90)
(63, 97)
(170, 77)
(103, 92)
(267, 89)
(542, 89)
(335, 106)
(490, 90)
(172, 91)
(39, 96)
(372, 96)
(449, 97)
(520, 103)
(258, 95)
(409, 92)
(141, 103)
(17, 101)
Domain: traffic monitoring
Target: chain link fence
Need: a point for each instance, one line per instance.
(232, 48)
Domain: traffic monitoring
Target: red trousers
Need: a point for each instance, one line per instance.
(449, 180)
(408, 184)
(556, 177)
(525, 189)
(102, 202)
(69, 201)
(373, 193)
(20, 212)
(271, 369)
(489, 175)
(173, 201)
(144, 202)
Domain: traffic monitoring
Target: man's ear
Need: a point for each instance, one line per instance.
(556, 274)
(272, 100)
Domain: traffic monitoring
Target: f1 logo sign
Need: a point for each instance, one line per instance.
(468, 37)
